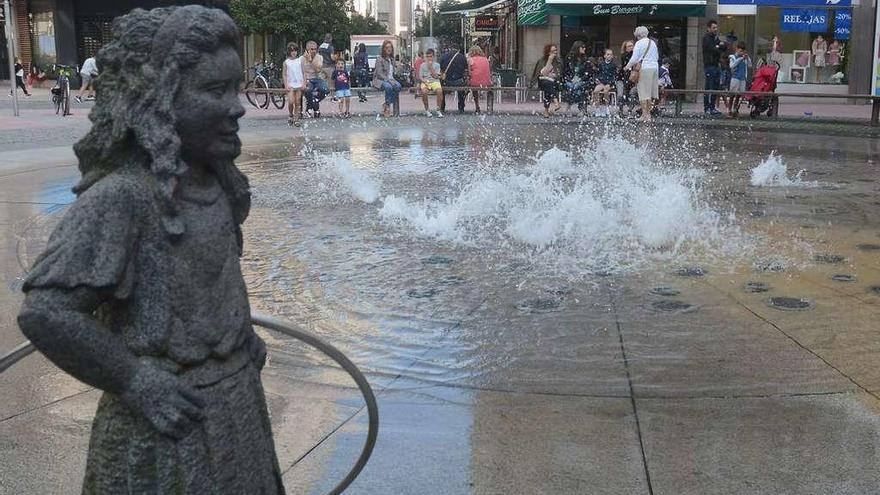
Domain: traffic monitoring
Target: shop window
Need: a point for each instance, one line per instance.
(804, 57)
(591, 30)
(671, 37)
(43, 31)
(92, 33)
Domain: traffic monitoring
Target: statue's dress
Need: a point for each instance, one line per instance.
(184, 304)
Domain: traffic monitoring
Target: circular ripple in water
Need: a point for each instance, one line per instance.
(843, 277)
(756, 287)
(829, 258)
(540, 305)
(790, 303)
(665, 291)
(672, 306)
(693, 271)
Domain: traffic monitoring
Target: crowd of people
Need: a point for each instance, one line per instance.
(640, 77)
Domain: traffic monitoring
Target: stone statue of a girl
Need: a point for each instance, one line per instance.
(139, 292)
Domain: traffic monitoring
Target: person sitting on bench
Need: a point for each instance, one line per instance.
(429, 74)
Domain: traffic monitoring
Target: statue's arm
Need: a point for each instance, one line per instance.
(60, 324)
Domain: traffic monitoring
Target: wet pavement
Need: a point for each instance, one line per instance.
(541, 308)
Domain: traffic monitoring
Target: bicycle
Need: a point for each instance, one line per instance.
(265, 77)
(61, 91)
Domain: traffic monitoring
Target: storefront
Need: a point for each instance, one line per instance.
(608, 25)
(811, 40)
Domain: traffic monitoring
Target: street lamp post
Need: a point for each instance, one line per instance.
(10, 48)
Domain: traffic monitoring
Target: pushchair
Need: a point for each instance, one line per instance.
(764, 81)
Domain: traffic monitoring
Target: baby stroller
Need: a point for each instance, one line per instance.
(764, 81)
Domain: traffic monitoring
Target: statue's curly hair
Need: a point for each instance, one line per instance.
(133, 121)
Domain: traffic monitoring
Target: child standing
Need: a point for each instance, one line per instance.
(665, 79)
(342, 83)
(294, 83)
(739, 70)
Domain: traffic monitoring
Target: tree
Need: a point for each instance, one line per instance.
(297, 20)
(366, 25)
(447, 27)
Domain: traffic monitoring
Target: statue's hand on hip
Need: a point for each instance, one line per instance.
(170, 404)
(258, 351)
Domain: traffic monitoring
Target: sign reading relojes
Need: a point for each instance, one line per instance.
(531, 13)
(804, 20)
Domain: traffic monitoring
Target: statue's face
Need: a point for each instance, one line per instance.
(207, 108)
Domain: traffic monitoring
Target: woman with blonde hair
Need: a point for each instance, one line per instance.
(481, 74)
(645, 61)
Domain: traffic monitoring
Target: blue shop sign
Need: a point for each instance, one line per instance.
(804, 20)
(790, 3)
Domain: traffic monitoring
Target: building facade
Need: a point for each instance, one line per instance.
(68, 31)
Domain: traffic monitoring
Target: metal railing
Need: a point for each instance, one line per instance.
(23, 350)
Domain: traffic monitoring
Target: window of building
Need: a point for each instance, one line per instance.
(43, 26)
(803, 57)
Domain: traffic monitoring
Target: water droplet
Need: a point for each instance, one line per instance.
(869, 247)
(558, 291)
(843, 277)
(774, 266)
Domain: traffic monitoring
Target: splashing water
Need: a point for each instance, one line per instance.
(610, 206)
(358, 183)
(773, 172)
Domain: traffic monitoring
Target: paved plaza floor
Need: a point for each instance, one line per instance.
(506, 368)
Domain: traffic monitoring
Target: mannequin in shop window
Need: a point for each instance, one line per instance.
(833, 57)
(820, 48)
(776, 50)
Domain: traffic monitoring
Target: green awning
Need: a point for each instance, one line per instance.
(610, 9)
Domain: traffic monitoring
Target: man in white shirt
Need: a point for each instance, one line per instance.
(646, 56)
(88, 72)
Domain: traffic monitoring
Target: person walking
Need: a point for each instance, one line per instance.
(646, 61)
(294, 83)
(713, 48)
(88, 72)
(481, 75)
(383, 77)
(328, 52)
(361, 71)
(548, 72)
(454, 67)
(19, 79)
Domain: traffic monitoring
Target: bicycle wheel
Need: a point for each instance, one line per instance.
(278, 99)
(262, 99)
(65, 95)
(249, 95)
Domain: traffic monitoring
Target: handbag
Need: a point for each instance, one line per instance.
(636, 72)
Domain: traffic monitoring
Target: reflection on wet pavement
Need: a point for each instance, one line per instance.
(566, 312)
